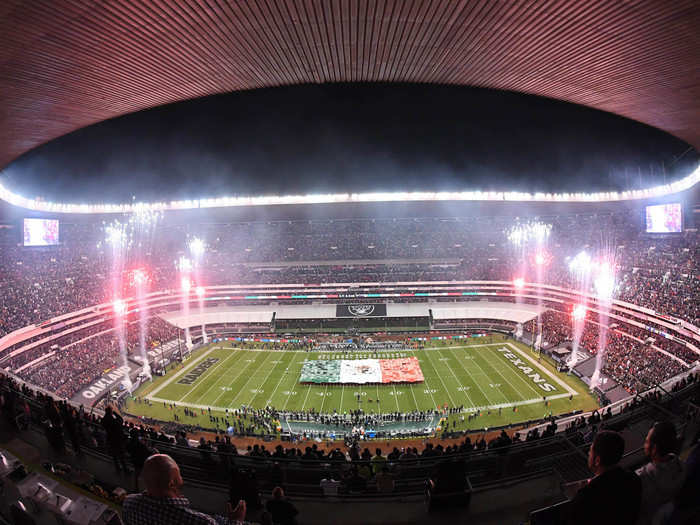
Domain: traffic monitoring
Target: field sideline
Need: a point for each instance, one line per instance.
(480, 377)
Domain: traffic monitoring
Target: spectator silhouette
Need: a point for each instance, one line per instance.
(663, 476)
(613, 495)
(282, 510)
(113, 425)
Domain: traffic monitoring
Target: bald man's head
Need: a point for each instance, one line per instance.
(162, 476)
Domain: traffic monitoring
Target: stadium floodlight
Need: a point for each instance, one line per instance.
(119, 306)
(185, 284)
(197, 247)
(519, 283)
(200, 291)
(52, 207)
(578, 312)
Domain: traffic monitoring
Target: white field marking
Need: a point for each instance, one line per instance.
(430, 390)
(284, 372)
(184, 370)
(306, 398)
(443, 383)
(414, 395)
(490, 380)
(544, 370)
(248, 381)
(293, 385)
(272, 369)
(459, 383)
(342, 391)
(485, 407)
(323, 401)
(519, 376)
(216, 382)
(396, 397)
(243, 369)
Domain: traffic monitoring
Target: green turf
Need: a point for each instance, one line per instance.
(475, 375)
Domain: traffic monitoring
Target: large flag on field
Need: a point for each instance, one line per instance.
(321, 372)
(361, 371)
(403, 370)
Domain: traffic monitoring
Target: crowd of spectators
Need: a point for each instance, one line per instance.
(71, 367)
(355, 470)
(660, 273)
(633, 363)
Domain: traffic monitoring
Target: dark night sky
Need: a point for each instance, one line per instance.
(334, 138)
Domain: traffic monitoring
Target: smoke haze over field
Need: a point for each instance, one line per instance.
(357, 138)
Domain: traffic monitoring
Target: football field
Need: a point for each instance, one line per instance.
(501, 381)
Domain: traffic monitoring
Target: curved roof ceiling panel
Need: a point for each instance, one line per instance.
(65, 64)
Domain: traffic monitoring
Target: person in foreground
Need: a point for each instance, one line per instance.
(282, 510)
(662, 478)
(162, 503)
(613, 495)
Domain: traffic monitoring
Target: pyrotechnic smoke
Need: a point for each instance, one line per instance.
(604, 286)
(127, 241)
(197, 249)
(530, 241)
(184, 267)
(580, 267)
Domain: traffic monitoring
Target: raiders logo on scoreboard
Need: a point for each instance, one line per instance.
(361, 309)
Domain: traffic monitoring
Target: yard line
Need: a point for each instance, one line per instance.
(218, 366)
(251, 377)
(414, 396)
(243, 369)
(396, 397)
(469, 399)
(278, 382)
(342, 392)
(291, 388)
(477, 383)
(443, 383)
(323, 401)
(306, 398)
(430, 390)
(262, 385)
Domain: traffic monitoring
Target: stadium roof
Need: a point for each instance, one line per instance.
(66, 64)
